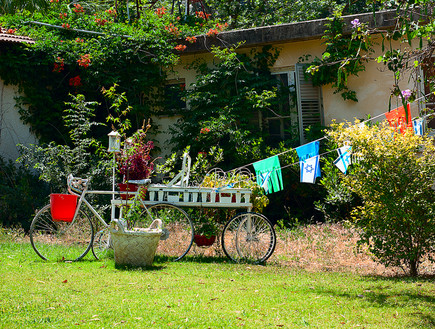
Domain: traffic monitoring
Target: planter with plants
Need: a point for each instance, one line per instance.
(135, 161)
(206, 228)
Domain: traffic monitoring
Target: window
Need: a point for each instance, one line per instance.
(300, 106)
(173, 100)
(277, 121)
(310, 112)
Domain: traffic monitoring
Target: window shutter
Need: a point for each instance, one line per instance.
(309, 102)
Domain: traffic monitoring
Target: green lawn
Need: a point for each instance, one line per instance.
(201, 293)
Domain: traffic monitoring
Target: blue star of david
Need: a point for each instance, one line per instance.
(309, 168)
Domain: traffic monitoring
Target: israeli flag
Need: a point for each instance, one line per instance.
(418, 126)
(344, 160)
(309, 169)
(265, 180)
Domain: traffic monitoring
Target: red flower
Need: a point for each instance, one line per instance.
(79, 40)
(171, 28)
(180, 47)
(84, 60)
(201, 14)
(191, 39)
(111, 12)
(66, 26)
(58, 65)
(212, 33)
(160, 12)
(78, 8)
(63, 15)
(75, 82)
(100, 21)
(11, 31)
(205, 130)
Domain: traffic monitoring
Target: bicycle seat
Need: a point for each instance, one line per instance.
(146, 181)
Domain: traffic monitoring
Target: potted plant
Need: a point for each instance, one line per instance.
(206, 230)
(135, 161)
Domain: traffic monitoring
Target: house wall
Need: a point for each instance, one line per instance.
(12, 130)
(373, 86)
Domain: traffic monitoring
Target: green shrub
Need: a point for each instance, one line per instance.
(393, 177)
(21, 194)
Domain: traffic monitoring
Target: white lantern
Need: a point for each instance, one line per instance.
(114, 142)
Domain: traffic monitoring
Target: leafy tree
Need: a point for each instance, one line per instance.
(10, 7)
(393, 176)
(224, 103)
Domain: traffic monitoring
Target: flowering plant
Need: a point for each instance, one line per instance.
(135, 161)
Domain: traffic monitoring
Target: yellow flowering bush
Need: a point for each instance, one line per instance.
(394, 175)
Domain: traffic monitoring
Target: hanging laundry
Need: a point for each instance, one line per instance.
(308, 151)
(309, 168)
(344, 159)
(397, 119)
(418, 126)
(268, 172)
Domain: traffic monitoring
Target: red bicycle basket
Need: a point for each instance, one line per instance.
(63, 207)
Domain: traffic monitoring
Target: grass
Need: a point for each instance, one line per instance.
(205, 292)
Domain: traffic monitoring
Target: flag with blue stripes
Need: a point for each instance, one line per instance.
(344, 159)
(418, 126)
(309, 169)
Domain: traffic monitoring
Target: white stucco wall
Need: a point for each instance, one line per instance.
(12, 130)
(373, 86)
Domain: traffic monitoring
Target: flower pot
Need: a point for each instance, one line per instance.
(203, 241)
(226, 198)
(128, 190)
(63, 207)
(137, 247)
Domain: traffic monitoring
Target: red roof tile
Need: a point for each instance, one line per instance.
(10, 37)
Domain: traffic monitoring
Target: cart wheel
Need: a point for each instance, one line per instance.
(59, 240)
(179, 229)
(102, 244)
(249, 237)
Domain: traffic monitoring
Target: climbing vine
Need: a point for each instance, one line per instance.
(344, 55)
(81, 49)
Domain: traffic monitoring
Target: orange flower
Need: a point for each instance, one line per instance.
(84, 60)
(180, 47)
(212, 33)
(191, 39)
(78, 8)
(100, 21)
(171, 28)
(160, 12)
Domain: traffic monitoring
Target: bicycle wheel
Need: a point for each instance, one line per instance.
(61, 241)
(102, 244)
(248, 237)
(178, 228)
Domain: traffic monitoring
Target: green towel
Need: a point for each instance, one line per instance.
(268, 172)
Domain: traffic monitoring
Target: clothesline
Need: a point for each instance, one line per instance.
(324, 137)
(318, 140)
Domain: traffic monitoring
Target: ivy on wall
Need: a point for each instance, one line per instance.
(81, 49)
(344, 56)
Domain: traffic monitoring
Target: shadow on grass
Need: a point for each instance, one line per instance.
(150, 268)
(383, 292)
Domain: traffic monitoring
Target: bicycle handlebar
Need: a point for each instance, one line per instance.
(77, 185)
